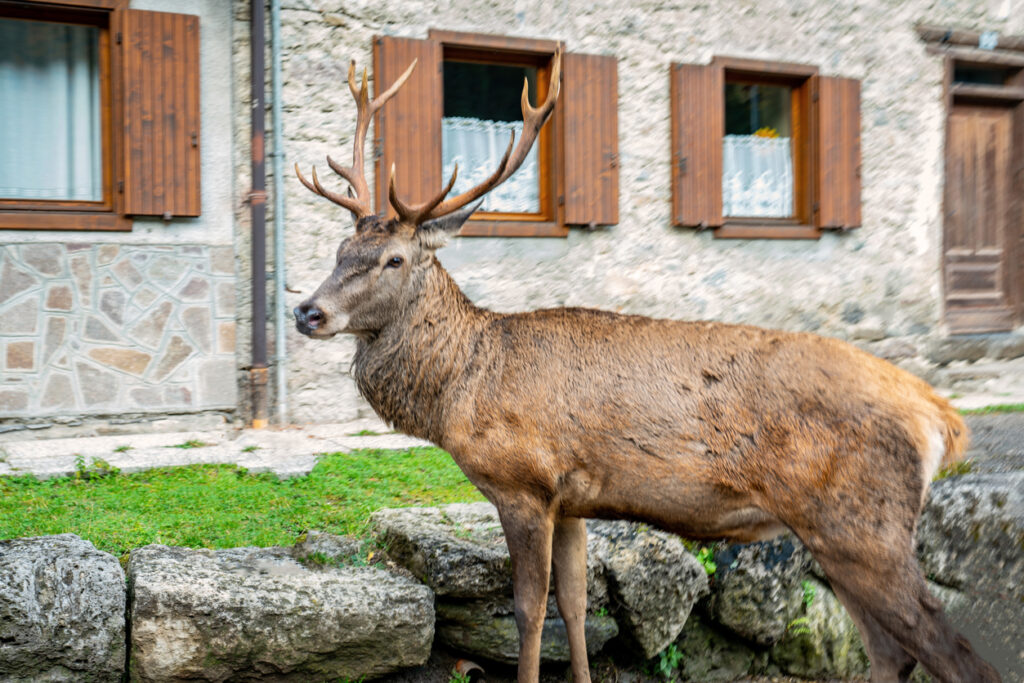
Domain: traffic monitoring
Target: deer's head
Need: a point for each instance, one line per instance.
(380, 270)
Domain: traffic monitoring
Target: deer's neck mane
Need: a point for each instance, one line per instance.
(407, 368)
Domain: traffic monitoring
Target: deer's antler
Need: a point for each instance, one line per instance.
(358, 199)
(533, 120)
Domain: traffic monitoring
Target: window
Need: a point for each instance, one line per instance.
(764, 149)
(460, 105)
(96, 124)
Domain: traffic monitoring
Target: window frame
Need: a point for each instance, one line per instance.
(62, 214)
(494, 49)
(801, 79)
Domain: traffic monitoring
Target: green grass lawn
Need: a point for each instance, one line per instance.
(224, 506)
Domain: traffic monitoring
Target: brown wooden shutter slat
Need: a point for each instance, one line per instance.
(698, 124)
(160, 79)
(407, 129)
(837, 184)
(590, 174)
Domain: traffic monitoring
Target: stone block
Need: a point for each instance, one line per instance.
(222, 260)
(127, 273)
(128, 360)
(58, 298)
(21, 355)
(13, 400)
(59, 392)
(218, 386)
(14, 281)
(46, 259)
(226, 337)
(53, 339)
(196, 289)
(112, 302)
(98, 386)
(146, 397)
(174, 355)
(249, 613)
(197, 323)
(21, 319)
(61, 610)
(97, 330)
(81, 272)
(144, 297)
(150, 330)
(166, 270)
(107, 253)
(225, 299)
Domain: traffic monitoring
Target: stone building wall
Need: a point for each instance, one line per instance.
(107, 329)
(878, 285)
(132, 325)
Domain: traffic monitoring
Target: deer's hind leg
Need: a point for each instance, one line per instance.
(569, 556)
(872, 568)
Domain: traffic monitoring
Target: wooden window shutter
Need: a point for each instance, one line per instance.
(160, 115)
(837, 182)
(590, 177)
(697, 95)
(407, 130)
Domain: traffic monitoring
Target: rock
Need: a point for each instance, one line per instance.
(711, 655)
(971, 533)
(320, 545)
(61, 611)
(821, 641)
(971, 537)
(474, 629)
(458, 550)
(757, 590)
(653, 581)
(258, 612)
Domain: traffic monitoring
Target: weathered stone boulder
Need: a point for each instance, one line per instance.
(971, 537)
(645, 579)
(757, 589)
(61, 611)
(653, 581)
(473, 629)
(711, 655)
(252, 613)
(822, 641)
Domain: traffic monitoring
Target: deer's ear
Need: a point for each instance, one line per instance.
(434, 234)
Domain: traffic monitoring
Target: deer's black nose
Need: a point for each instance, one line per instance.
(308, 317)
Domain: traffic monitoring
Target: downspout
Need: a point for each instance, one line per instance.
(280, 347)
(258, 205)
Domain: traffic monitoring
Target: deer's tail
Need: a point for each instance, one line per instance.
(955, 434)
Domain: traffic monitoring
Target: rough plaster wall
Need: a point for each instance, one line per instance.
(879, 281)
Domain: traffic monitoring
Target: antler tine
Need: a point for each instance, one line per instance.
(533, 119)
(414, 214)
(350, 202)
(358, 201)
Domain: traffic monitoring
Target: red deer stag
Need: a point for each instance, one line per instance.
(708, 430)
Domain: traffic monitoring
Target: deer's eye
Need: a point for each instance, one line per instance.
(393, 262)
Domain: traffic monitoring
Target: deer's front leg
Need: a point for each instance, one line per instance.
(528, 527)
(569, 552)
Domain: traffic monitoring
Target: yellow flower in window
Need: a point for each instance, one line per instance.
(766, 132)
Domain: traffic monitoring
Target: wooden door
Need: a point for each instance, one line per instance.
(979, 225)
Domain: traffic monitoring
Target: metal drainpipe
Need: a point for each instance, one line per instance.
(280, 326)
(258, 205)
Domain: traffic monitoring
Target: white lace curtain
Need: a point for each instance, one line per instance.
(477, 146)
(757, 176)
(50, 146)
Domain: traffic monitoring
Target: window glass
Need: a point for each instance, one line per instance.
(978, 74)
(481, 110)
(757, 151)
(50, 111)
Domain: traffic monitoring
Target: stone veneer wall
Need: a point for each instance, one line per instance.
(879, 284)
(109, 329)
